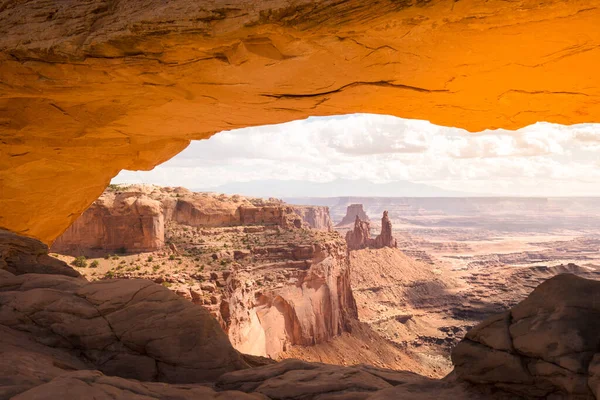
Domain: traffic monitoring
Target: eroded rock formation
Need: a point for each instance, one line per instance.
(62, 337)
(131, 221)
(352, 212)
(316, 217)
(546, 345)
(385, 238)
(269, 284)
(104, 86)
(132, 218)
(304, 298)
(360, 236)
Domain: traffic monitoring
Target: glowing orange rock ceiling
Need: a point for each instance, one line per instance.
(88, 88)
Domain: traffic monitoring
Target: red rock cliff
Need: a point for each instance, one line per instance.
(304, 300)
(130, 221)
(134, 217)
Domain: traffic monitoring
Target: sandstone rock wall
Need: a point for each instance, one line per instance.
(316, 217)
(133, 219)
(129, 221)
(307, 300)
(186, 212)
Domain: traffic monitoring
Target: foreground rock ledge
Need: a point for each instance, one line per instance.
(63, 337)
(88, 89)
(546, 345)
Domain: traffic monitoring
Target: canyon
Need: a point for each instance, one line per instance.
(88, 89)
(245, 295)
(273, 275)
(283, 290)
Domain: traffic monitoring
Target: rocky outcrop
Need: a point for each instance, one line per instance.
(352, 212)
(129, 328)
(35, 371)
(21, 255)
(547, 345)
(132, 218)
(295, 379)
(360, 236)
(128, 221)
(385, 238)
(304, 298)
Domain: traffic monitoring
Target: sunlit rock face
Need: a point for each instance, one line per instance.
(88, 89)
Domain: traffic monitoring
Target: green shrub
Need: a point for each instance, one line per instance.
(109, 275)
(80, 262)
(150, 258)
(172, 257)
(94, 264)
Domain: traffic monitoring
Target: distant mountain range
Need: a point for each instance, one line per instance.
(336, 188)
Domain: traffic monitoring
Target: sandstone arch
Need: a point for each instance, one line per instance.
(88, 89)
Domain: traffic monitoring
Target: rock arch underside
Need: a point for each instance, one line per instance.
(90, 88)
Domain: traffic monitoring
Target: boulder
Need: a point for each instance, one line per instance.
(131, 328)
(547, 344)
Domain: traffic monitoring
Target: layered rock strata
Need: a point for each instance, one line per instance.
(360, 236)
(22, 255)
(304, 298)
(130, 221)
(130, 328)
(62, 337)
(133, 218)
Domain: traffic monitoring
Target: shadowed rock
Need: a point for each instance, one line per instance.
(131, 328)
(22, 255)
(547, 344)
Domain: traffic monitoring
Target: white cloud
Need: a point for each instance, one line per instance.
(541, 159)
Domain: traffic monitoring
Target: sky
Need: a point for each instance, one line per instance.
(539, 160)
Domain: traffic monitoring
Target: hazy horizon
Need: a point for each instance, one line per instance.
(377, 151)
